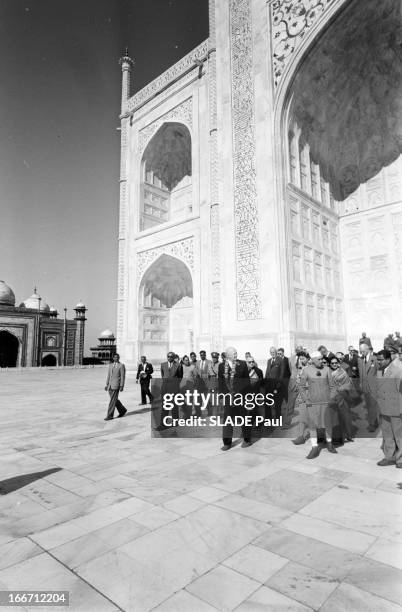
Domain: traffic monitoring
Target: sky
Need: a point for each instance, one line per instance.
(59, 147)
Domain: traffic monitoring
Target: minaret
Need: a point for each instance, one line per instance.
(80, 311)
(126, 64)
(216, 339)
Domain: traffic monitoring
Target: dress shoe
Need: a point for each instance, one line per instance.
(386, 462)
(142, 404)
(331, 448)
(226, 447)
(315, 451)
(349, 439)
(246, 444)
(122, 414)
(299, 440)
(108, 419)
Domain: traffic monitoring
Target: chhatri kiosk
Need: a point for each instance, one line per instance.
(260, 183)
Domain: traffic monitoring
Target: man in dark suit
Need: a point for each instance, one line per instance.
(116, 376)
(144, 375)
(286, 373)
(389, 399)
(233, 378)
(201, 374)
(171, 374)
(352, 360)
(368, 368)
(274, 381)
(285, 370)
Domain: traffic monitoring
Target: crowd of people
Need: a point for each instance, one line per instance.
(316, 392)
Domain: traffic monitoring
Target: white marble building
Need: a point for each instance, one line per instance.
(260, 183)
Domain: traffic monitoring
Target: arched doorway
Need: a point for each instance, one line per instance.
(343, 190)
(8, 350)
(166, 308)
(166, 168)
(49, 361)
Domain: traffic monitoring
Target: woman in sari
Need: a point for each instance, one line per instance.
(299, 398)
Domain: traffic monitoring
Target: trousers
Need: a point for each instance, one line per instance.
(227, 430)
(391, 427)
(115, 403)
(145, 392)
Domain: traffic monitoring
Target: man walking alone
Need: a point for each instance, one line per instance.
(114, 384)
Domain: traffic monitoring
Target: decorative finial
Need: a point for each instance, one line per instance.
(126, 60)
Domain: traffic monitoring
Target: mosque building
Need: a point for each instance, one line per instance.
(260, 183)
(32, 334)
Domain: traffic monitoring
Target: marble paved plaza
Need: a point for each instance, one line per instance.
(126, 522)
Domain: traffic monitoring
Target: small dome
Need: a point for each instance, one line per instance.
(80, 305)
(52, 309)
(34, 302)
(7, 296)
(107, 333)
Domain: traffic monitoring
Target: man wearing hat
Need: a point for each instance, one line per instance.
(317, 382)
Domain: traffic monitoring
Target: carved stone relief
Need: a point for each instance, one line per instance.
(244, 164)
(291, 20)
(169, 75)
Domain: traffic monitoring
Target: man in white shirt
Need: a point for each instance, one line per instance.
(144, 375)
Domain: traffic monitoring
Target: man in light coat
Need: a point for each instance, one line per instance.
(115, 384)
(389, 398)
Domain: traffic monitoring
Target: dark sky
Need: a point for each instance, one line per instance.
(59, 148)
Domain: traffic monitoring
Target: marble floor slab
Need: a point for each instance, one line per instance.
(223, 588)
(126, 522)
(308, 586)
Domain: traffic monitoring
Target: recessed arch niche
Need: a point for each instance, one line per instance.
(166, 308)
(166, 171)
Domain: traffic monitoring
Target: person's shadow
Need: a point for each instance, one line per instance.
(17, 482)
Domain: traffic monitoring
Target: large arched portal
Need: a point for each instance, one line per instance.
(166, 188)
(344, 132)
(166, 308)
(8, 350)
(49, 361)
